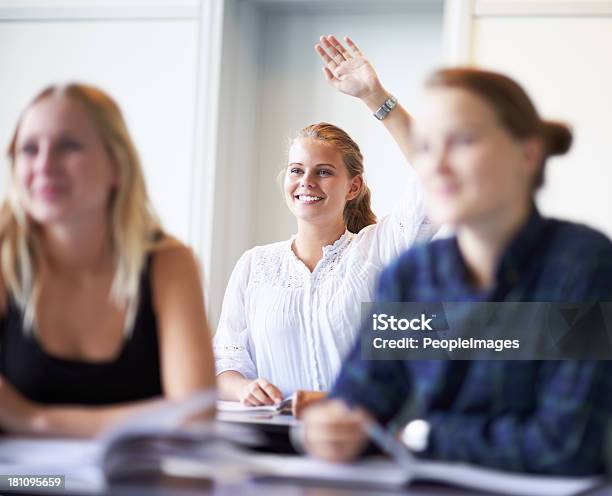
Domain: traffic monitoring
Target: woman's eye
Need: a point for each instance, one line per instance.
(29, 149)
(324, 173)
(295, 170)
(463, 139)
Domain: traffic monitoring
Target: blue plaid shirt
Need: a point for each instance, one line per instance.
(529, 416)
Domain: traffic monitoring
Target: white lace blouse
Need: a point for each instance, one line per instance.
(293, 327)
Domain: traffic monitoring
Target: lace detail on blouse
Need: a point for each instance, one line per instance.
(271, 266)
(331, 257)
(275, 264)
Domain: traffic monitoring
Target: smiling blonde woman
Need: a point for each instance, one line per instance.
(291, 309)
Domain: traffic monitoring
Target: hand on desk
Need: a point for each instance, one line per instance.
(260, 392)
(334, 432)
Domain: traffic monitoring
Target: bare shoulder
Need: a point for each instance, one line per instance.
(173, 256)
(174, 270)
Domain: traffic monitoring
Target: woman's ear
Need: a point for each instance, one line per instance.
(355, 187)
(533, 154)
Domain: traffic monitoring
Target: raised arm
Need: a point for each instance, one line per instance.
(186, 358)
(350, 72)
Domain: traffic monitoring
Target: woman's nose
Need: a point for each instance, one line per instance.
(308, 180)
(440, 159)
(46, 159)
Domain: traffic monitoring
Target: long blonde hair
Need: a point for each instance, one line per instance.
(135, 226)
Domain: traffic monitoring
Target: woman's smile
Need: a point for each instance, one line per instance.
(308, 199)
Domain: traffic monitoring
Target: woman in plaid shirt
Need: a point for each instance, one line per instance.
(480, 149)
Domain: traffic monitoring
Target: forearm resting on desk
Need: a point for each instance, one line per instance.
(229, 384)
(76, 421)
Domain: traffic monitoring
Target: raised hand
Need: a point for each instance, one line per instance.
(348, 70)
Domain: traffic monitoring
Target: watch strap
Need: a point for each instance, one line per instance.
(385, 108)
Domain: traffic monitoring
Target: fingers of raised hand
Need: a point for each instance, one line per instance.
(339, 47)
(335, 49)
(329, 75)
(353, 46)
(329, 62)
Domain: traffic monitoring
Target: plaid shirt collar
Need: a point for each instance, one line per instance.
(454, 274)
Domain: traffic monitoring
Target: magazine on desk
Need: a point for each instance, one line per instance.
(160, 443)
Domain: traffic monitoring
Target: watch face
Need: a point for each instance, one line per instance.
(416, 434)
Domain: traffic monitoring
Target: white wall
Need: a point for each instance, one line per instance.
(564, 64)
(559, 51)
(148, 67)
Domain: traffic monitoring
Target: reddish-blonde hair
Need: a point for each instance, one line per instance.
(357, 212)
(514, 108)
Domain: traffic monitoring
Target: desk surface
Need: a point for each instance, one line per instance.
(155, 484)
(292, 489)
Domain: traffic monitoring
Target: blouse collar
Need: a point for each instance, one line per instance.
(328, 250)
(336, 246)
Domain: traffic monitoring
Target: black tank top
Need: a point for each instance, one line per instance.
(133, 375)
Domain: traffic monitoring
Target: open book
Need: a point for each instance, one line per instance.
(160, 443)
(237, 407)
(294, 404)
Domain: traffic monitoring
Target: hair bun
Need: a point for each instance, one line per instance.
(557, 136)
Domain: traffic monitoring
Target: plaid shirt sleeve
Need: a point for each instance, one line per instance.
(565, 434)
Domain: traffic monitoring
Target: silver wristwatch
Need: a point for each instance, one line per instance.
(415, 436)
(385, 108)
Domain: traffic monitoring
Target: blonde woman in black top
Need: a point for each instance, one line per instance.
(102, 312)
